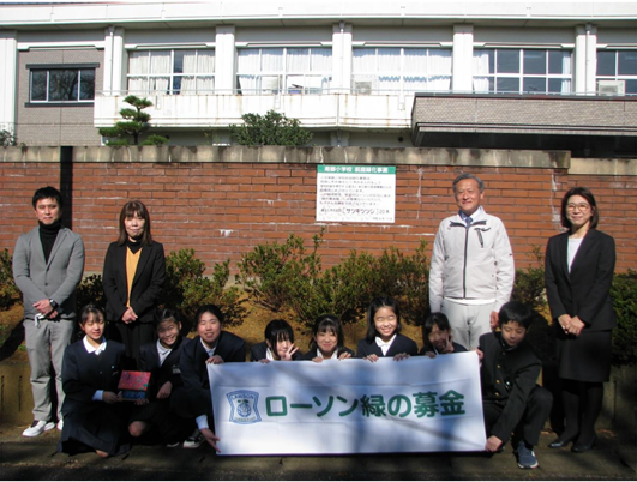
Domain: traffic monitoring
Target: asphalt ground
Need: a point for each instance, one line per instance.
(35, 458)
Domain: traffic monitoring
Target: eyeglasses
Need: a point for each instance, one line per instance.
(579, 207)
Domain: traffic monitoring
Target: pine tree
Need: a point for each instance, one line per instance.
(272, 129)
(135, 122)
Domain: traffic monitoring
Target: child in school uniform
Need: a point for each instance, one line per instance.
(280, 342)
(511, 400)
(383, 333)
(212, 345)
(327, 341)
(436, 337)
(152, 416)
(93, 417)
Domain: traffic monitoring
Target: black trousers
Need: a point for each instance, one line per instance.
(538, 408)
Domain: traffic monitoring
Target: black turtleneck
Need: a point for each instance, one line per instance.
(134, 246)
(48, 233)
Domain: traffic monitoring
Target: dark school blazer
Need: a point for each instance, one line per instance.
(312, 353)
(257, 351)
(507, 377)
(583, 292)
(457, 348)
(147, 283)
(169, 371)
(401, 344)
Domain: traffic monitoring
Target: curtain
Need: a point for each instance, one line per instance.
(415, 84)
(389, 60)
(439, 83)
(298, 60)
(388, 85)
(138, 62)
(248, 61)
(205, 61)
(272, 60)
(481, 63)
(439, 61)
(364, 60)
(205, 85)
(321, 60)
(160, 62)
(416, 61)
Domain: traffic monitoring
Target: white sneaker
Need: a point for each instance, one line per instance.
(37, 427)
(194, 440)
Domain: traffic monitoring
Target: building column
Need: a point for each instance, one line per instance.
(341, 57)
(224, 60)
(585, 59)
(462, 59)
(115, 60)
(8, 79)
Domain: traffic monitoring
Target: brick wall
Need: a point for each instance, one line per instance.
(225, 209)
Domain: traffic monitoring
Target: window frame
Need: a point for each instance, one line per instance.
(48, 68)
(616, 76)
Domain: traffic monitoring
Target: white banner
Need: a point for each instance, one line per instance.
(349, 406)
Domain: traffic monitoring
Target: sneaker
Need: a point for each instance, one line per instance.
(37, 427)
(526, 456)
(194, 440)
(60, 424)
(173, 444)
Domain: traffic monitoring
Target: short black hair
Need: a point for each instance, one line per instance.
(47, 192)
(438, 319)
(518, 312)
(374, 306)
(328, 323)
(213, 309)
(280, 330)
(163, 314)
(465, 176)
(586, 194)
(90, 309)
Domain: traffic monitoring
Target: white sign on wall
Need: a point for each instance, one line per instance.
(349, 406)
(356, 194)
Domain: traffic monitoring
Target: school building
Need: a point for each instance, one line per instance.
(473, 75)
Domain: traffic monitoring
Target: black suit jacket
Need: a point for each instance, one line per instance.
(257, 351)
(147, 283)
(584, 292)
(507, 377)
(401, 344)
(169, 371)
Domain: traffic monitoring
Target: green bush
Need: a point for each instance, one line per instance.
(624, 294)
(90, 290)
(9, 292)
(529, 286)
(186, 288)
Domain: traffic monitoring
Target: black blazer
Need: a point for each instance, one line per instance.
(147, 283)
(457, 348)
(583, 292)
(169, 371)
(312, 353)
(257, 351)
(401, 344)
(507, 378)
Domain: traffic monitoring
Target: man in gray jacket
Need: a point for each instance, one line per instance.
(472, 268)
(48, 263)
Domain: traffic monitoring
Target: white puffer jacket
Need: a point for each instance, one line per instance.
(471, 263)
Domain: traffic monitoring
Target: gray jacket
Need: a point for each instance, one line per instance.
(474, 262)
(56, 280)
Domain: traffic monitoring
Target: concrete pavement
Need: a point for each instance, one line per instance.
(23, 458)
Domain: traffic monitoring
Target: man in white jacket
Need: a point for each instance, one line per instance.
(472, 268)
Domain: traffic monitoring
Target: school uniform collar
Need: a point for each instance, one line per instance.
(384, 347)
(91, 349)
(335, 352)
(162, 352)
(209, 351)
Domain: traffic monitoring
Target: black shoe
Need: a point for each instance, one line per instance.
(560, 442)
(580, 448)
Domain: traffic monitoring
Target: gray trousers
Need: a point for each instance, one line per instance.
(45, 344)
(468, 322)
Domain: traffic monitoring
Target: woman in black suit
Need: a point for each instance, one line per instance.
(133, 277)
(383, 333)
(579, 274)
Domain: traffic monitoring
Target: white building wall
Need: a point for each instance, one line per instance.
(8, 79)
(462, 58)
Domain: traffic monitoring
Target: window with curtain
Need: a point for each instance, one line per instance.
(171, 72)
(298, 70)
(387, 70)
(617, 67)
(522, 71)
(62, 85)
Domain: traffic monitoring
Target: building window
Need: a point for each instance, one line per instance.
(392, 70)
(522, 71)
(617, 72)
(291, 70)
(62, 85)
(171, 72)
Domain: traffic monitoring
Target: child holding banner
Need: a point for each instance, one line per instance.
(436, 337)
(327, 342)
(511, 400)
(383, 333)
(281, 337)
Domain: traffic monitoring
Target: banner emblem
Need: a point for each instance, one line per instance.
(244, 407)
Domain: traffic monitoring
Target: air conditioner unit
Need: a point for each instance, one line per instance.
(611, 87)
(363, 88)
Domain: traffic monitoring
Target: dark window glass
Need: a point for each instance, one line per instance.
(627, 62)
(38, 85)
(534, 62)
(63, 85)
(87, 85)
(509, 61)
(556, 61)
(178, 63)
(605, 63)
(508, 85)
(176, 85)
(534, 84)
(555, 85)
(631, 86)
